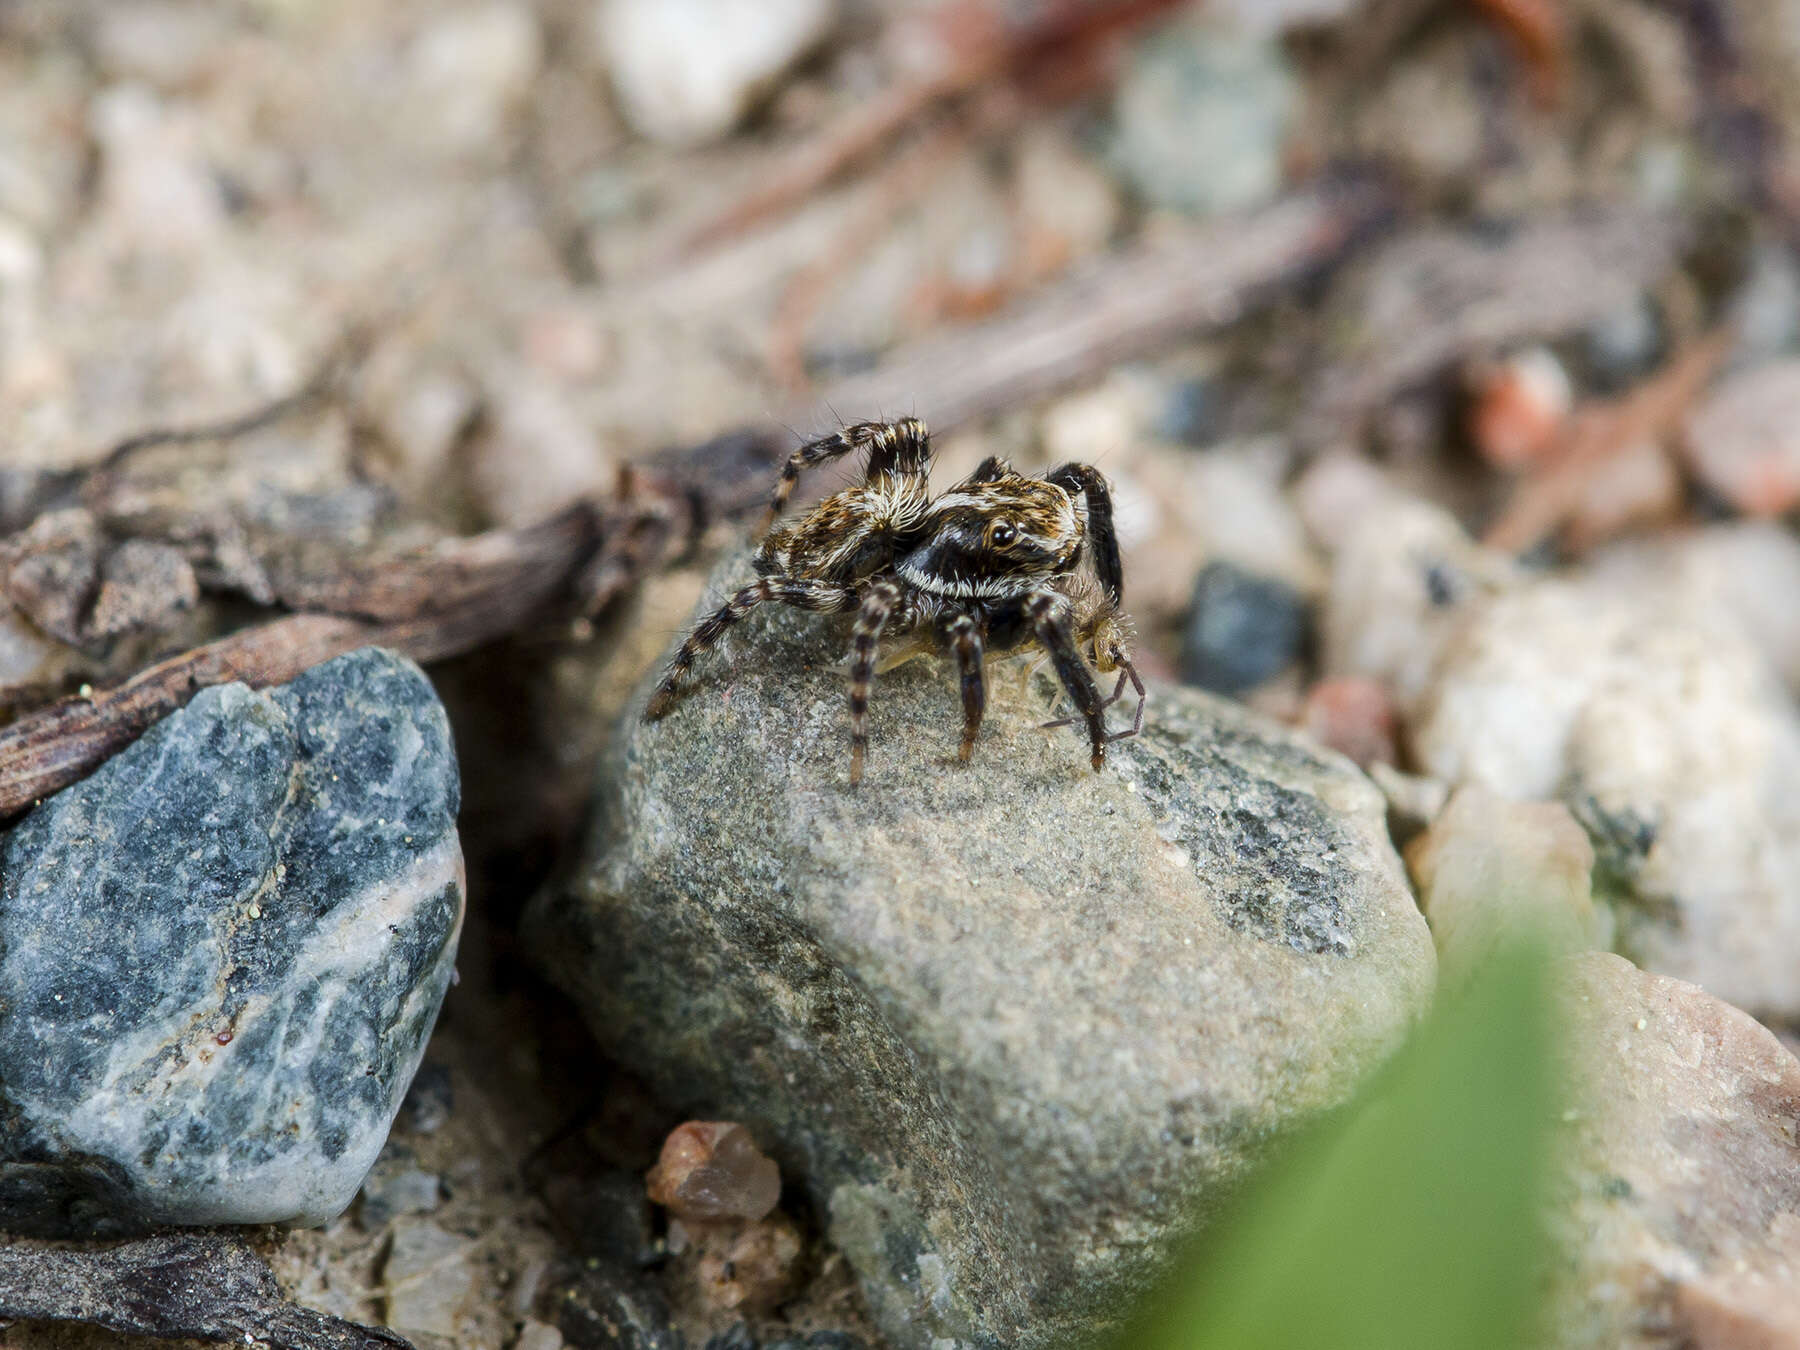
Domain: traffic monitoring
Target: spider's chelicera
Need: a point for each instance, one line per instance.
(990, 565)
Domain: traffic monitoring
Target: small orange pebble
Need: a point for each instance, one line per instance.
(711, 1171)
(1352, 715)
(1521, 405)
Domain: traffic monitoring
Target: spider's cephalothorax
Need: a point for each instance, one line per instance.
(989, 565)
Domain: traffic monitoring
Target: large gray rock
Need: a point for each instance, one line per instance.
(221, 954)
(1012, 1026)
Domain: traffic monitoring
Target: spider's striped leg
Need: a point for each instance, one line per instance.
(881, 600)
(822, 596)
(1049, 615)
(901, 448)
(990, 470)
(965, 638)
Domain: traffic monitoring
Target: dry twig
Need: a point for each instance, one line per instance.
(463, 594)
(900, 181)
(1597, 433)
(1122, 306)
(1433, 297)
(339, 360)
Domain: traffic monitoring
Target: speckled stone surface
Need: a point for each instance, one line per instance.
(221, 955)
(1010, 1027)
(1677, 1200)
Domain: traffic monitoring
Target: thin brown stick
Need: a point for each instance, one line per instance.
(1122, 306)
(816, 163)
(473, 592)
(55, 746)
(1544, 501)
(482, 572)
(342, 357)
(900, 181)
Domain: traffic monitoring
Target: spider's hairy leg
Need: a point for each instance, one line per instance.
(965, 638)
(990, 470)
(1127, 670)
(821, 596)
(1049, 615)
(902, 448)
(1104, 538)
(880, 600)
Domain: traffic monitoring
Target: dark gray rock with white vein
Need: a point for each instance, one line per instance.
(221, 955)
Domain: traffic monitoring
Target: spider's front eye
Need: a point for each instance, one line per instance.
(1001, 535)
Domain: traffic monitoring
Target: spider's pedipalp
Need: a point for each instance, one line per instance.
(1107, 702)
(819, 596)
(1137, 685)
(1127, 671)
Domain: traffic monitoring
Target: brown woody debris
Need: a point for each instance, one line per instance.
(1353, 715)
(1433, 297)
(67, 577)
(1598, 434)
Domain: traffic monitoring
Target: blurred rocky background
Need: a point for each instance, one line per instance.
(1445, 359)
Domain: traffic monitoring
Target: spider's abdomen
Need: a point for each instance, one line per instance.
(847, 537)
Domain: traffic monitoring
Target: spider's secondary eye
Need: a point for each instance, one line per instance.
(1001, 535)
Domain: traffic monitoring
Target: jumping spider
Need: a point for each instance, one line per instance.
(987, 566)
